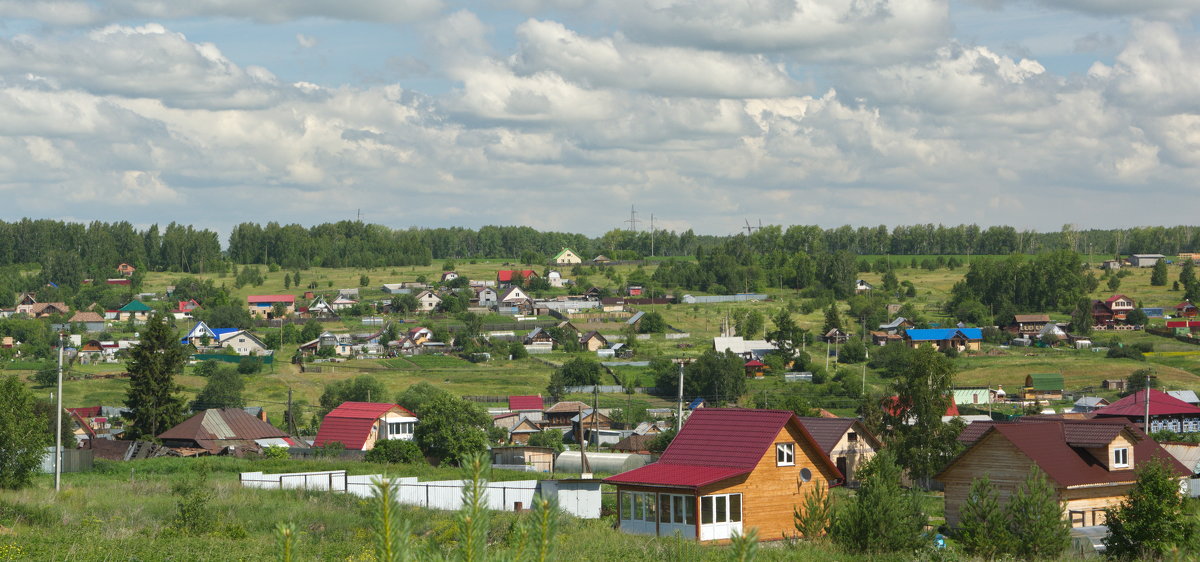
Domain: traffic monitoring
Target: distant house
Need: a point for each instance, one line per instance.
(567, 257)
(1090, 463)
(846, 441)
(448, 276)
(1110, 265)
(1166, 411)
(1145, 260)
(505, 277)
(1114, 384)
(861, 287)
(395, 289)
(244, 343)
(90, 321)
(1087, 404)
(187, 307)
(898, 323)
(135, 310)
(755, 368)
(1187, 396)
(359, 425)
(728, 471)
(884, 338)
(590, 419)
(747, 349)
(559, 415)
(526, 404)
(555, 279)
(637, 444)
(486, 297)
(593, 341)
(1029, 324)
(263, 306)
(961, 339)
(973, 396)
(212, 431)
(342, 302)
(634, 290)
(1044, 386)
(126, 269)
(538, 336)
(514, 296)
(835, 336)
(1186, 309)
(601, 259)
(428, 301)
(201, 335)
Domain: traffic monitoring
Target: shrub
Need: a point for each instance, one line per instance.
(881, 517)
(276, 452)
(395, 451)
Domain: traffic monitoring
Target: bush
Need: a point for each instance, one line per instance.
(1144, 347)
(1125, 353)
(882, 517)
(395, 451)
(330, 450)
(276, 452)
(250, 366)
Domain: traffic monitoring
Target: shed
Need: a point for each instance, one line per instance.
(1044, 386)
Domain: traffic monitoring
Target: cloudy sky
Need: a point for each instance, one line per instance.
(561, 114)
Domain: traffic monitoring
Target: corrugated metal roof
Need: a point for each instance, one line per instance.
(684, 476)
(256, 299)
(350, 424)
(223, 424)
(1161, 404)
(1045, 381)
(827, 431)
(525, 403)
(938, 334)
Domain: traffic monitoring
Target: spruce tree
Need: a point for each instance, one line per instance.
(1035, 520)
(1188, 273)
(983, 530)
(1151, 521)
(1158, 277)
(153, 397)
(881, 517)
(832, 318)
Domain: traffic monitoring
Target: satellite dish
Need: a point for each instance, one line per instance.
(805, 474)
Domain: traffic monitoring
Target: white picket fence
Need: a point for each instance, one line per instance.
(441, 494)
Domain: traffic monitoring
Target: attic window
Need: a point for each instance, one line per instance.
(852, 437)
(785, 454)
(1121, 458)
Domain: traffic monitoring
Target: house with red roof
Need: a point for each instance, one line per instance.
(1186, 309)
(1090, 463)
(264, 305)
(526, 404)
(505, 276)
(358, 425)
(728, 471)
(1166, 411)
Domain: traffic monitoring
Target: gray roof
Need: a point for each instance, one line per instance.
(894, 323)
(636, 317)
(1090, 401)
(1188, 396)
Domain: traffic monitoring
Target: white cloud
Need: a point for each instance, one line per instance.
(1165, 8)
(306, 41)
(81, 12)
(1156, 70)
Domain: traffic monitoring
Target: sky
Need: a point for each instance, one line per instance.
(565, 114)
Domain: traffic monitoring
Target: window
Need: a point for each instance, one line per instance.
(785, 454)
(724, 508)
(852, 437)
(400, 428)
(1121, 457)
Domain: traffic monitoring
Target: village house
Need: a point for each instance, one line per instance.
(1043, 386)
(90, 321)
(506, 277)
(136, 310)
(1166, 411)
(862, 287)
(835, 335)
(448, 276)
(539, 338)
(517, 298)
(593, 341)
(428, 301)
(1028, 325)
(186, 307)
(213, 431)
(244, 343)
(559, 415)
(1186, 309)
(567, 257)
(555, 279)
(126, 270)
(846, 441)
(589, 420)
(523, 429)
(201, 336)
(263, 306)
(359, 425)
(1090, 463)
(897, 324)
(1087, 404)
(1145, 260)
(961, 339)
(726, 472)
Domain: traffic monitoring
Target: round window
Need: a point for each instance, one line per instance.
(805, 475)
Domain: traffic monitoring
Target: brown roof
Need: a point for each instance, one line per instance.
(570, 406)
(634, 443)
(86, 317)
(40, 308)
(1057, 447)
(1029, 318)
(228, 424)
(827, 431)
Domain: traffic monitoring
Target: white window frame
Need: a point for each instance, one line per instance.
(1121, 457)
(785, 454)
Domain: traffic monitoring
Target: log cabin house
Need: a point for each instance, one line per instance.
(1090, 463)
(728, 471)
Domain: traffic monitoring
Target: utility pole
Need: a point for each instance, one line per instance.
(595, 412)
(1146, 422)
(651, 234)
(58, 421)
(679, 412)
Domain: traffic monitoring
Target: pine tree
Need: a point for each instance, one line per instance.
(1151, 521)
(1035, 520)
(1188, 273)
(832, 318)
(983, 530)
(153, 397)
(1158, 277)
(882, 517)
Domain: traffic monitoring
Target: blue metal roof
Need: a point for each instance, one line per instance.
(695, 403)
(937, 334)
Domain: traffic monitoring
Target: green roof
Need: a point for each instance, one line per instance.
(135, 306)
(565, 250)
(1045, 381)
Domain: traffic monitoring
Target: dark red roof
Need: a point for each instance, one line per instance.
(716, 444)
(754, 363)
(827, 432)
(1161, 404)
(525, 403)
(350, 424)
(1049, 445)
(1117, 297)
(88, 412)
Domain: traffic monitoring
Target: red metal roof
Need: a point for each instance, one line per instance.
(350, 424)
(525, 403)
(506, 275)
(1046, 443)
(754, 363)
(256, 299)
(1183, 323)
(716, 444)
(1161, 404)
(88, 412)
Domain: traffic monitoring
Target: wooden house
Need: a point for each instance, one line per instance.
(1090, 463)
(1114, 384)
(525, 427)
(1120, 305)
(529, 459)
(214, 430)
(539, 336)
(755, 368)
(588, 420)
(593, 341)
(560, 414)
(846, 441)
(1028, 325)
(1043, 386)
(836, 336)
(126, 269)
(862, 287)
(728, 471)
(1186, 309)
